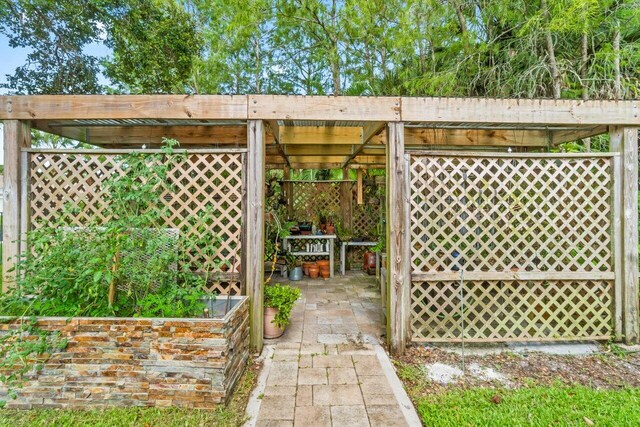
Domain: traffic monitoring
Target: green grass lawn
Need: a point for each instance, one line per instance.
(120, 417)
(534, 406)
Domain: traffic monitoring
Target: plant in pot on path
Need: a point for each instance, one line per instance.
(278, 302)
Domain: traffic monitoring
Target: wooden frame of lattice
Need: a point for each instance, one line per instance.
(534, 236)
(207, 181)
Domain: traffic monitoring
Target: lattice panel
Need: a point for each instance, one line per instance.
(309, 198)
(70, 185)
(365, 219)
(509, 310)
(497, 214)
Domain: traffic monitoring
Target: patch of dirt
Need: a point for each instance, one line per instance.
(604, 370)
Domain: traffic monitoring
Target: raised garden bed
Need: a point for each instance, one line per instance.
(151, 362)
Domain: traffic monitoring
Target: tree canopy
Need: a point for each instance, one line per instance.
(518, 48)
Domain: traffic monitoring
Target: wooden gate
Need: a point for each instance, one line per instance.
(513, 247)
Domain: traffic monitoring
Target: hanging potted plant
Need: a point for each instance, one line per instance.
(278, 302)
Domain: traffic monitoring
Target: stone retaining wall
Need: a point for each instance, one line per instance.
(140, 362)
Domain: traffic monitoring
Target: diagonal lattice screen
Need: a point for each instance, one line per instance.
(497, 216)
(71, 185)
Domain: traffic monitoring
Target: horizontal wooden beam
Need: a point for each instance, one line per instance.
(474, 137)
(562, 136)
(331, 108)
(308, 135)
(524, 112)
(61, 107)
(513, 275)
(315, 150)
(335, 159)
(520, 111)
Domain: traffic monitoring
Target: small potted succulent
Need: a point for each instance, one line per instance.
(278, 302)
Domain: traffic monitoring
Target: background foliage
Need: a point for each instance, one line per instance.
(516, 48)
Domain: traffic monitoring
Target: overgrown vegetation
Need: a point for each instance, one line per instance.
(129, 265)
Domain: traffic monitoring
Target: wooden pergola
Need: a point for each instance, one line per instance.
(313, 132)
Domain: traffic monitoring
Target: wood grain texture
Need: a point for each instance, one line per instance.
(330, 108)
(17, 134)
(399, 256)
(625, 141)
(520, 111)
(60, 107)
(301, 107)
(254, 275)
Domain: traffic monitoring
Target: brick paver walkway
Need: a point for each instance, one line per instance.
(329, 368)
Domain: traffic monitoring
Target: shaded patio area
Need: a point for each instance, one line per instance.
(329, 368)
(344, 311)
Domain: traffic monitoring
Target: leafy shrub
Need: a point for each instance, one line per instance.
(282, 298)
(127, 266)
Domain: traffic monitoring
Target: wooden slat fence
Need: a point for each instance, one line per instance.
(512, 247)
(68, 183)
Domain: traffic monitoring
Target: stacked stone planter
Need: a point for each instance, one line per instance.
(148, 362)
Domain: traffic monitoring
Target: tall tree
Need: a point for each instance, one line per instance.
(155, 47)
(57, 33)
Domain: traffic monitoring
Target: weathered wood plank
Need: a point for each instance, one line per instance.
(17, 135)
(476, 137)
(60, 107)
(254, 274)
(616, 238)
(329, 135)
(511, 155)
(399, 256)
(520, 111)
(625, 141)
(512, 276)
(560, 136)
(301, 107)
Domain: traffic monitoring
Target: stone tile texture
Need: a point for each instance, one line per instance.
(329, 361)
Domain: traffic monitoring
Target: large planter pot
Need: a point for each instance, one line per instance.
(271, 330)
(295, 274)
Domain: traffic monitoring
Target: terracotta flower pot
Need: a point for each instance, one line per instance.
(305, 267)
(324, 272)
(314, 271)
(271, 330)
(331, 229)
(323, 263)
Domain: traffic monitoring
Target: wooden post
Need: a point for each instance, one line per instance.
(359, 184)
(346, 206)
(398, 245)
(17, 135)
(625, 141)
(288, 188)
(254, 274)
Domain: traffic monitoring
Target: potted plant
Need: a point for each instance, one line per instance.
(294, 267)
(344, 233)
(278, 302)
(331, 228)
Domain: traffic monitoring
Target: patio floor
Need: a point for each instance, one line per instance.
(329, 368)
